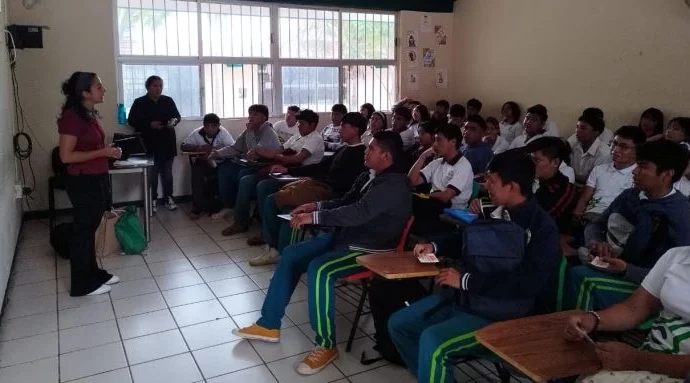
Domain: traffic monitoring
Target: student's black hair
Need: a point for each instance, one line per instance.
(370, 109)
(457, 111)
(259, 108)
(339, 108)
(383, 118)
(633, 133)
(666, 155)
(73, 88)
(151, 79)
(293, 108)
(443, 103)
(540, 110)
(308, 116)
(593, 111)
(595, 122)
(391, 142)
(514, 108)
(474, 103)
(684, 123)
(655, 115)
(494, 122)
(515, 166)
(414, 103)
(451, 132)
(211, 118)
(403, 112)
(432, 126)
(551, 147)
(424, 114)
(477, 119)
(356, 120)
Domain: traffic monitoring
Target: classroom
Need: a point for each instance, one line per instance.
(344, 191)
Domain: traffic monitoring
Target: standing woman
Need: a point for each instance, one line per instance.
(82, 148)
(155, 117)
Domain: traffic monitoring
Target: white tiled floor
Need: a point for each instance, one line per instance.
(169, 320)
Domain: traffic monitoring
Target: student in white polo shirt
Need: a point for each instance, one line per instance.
(450, 177)
(607, 181)
(588, 151)
(287, 127)
(534, 123)
(606, 135)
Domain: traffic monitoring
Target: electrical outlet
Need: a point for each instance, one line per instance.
(18, 191)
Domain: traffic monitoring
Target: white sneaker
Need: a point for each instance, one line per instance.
(101, 290)
(270, 256)
(224, 212)
(113, 280)
(154, 205)
(170, 204)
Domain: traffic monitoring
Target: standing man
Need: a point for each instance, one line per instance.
(155, 117)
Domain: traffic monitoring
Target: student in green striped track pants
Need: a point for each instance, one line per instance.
(430, 338)
(590, 289)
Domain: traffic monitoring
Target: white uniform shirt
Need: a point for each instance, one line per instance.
(222, 139)
(455, 174)
(510, 131)
(584, 161)
(284, 131)
(522, 141)
(608, 182)
(312, 142)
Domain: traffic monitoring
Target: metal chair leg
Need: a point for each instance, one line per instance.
(358, 314)
(503, 372)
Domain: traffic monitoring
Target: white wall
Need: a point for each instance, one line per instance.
(10, 209)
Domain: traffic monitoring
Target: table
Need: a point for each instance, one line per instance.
(536, 347)
(138, 165)
(397, 265)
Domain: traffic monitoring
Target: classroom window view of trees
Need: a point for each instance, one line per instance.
(224, 57)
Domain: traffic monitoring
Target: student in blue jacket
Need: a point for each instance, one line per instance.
(369, 218)
(639, 226)
(433, 332)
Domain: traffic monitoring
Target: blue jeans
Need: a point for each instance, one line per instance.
(589, 289)
(229, 175)
(276, 232)
(323, 266)
(430, 344)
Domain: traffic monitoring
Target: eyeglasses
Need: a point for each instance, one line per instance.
(621, 146)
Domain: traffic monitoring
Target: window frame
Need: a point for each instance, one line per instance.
(274, 60)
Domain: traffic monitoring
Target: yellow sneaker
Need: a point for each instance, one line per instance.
(257, 332)
(317, 360)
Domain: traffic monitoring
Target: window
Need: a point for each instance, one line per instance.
(223, 56)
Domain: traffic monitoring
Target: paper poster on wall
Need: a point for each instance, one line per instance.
(425, 23)
(440, 33)
(412, 80)
(412, 39)
(412, 58)
(429, 58)
(441, 78)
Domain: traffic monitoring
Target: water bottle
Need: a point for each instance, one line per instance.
(121, 114)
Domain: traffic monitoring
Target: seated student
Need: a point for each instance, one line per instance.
(427, 135)
(331, 133)
(475, 149)
(510, 124)
(400, 124)
(640, 225)
(377, 123)
(457, 115)
(441, 110)
(555, 194)
(259, 134)
(493, 136)
(287, 127)
(588, 151)
(535, 119)
(304, 148)
(665, 351)
(450, 176)
(206, 138)
(433, 332)
(420, 115)
(608, 181)
(652, 123)
(474, 107)
(678, 130)
(322, 181)
(606, 135)
(367, 110)
(370, 218)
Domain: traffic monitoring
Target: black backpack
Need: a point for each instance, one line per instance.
(60, 237)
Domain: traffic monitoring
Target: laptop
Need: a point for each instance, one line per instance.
(131, 144)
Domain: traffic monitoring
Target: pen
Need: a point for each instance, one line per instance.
(588, 339)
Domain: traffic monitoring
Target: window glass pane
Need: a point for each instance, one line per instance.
(315, 88)
(368, 36)
(181, 82)
(234, 31)
(231, 88)
(308, 34)
(158, 27)
(369, 83)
